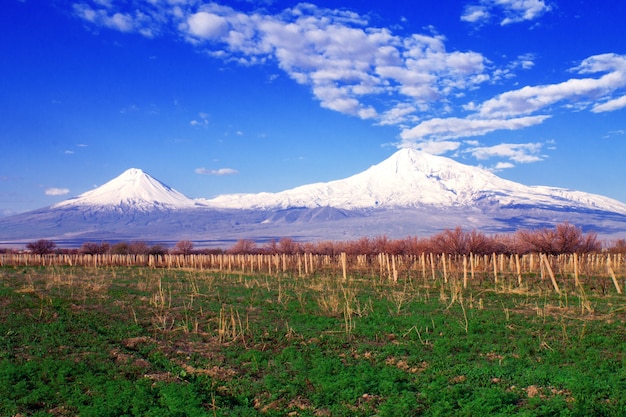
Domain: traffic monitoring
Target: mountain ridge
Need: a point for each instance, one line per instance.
(411, 178)
(409, 193)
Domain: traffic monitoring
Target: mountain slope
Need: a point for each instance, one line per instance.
(410, 193)
(411, 178)
(133, 189)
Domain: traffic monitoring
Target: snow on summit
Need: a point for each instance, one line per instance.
(132, 189)
(408, 178)
(410, 192)
(411, 178)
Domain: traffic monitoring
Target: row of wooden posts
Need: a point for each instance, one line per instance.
(391, 267)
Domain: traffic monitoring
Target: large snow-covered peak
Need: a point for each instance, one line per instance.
(408, 178)
(132, 189)
(412, 178)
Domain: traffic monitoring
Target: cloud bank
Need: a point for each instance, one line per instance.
(350, 66)
(507, 11)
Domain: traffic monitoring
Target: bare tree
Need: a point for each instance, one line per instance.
(326, 247)
(120, 248)
(243, 246)
(183, 247)
(41, 247)
(138, 248)
(450, 241)
(156, 250)
(619, 246)
(564, 238)
(361, 246)
(416, 246)
(287, 246)
(93, 248)
(270, 247)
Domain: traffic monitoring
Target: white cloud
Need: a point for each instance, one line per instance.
(611, 105)
(454, 127)
(398, 115)
(375, 74)
(521, 10)
(221, 171)
(435, 147)
(202, 120)
(475, 14)
(521, 153)
(531, 99)
(206, 25)
(119, 21)
(505, 110)
(144, 20)
(503, 165)
(526, 61)
(57, 191)
(104, 17)
(509, 11)
(347, 64)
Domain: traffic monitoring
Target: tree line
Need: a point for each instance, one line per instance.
(562, 239)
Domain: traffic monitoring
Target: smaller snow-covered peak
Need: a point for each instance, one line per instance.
(132, 189)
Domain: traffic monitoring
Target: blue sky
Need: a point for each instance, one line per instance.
(250, 96)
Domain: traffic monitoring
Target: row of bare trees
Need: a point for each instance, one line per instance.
(44, 247)
(563, 238)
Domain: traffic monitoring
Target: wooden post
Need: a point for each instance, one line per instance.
(299, 266)
(546, 263)
(610, 270)
(576, 280)
(465, 271)
(343, 265)
(388, 265)
(432, 265)
(519, 269)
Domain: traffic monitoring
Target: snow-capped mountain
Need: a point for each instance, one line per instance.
(410, 193)
(410, 178)
(133, 189)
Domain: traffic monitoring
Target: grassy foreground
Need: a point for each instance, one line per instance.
(134, 341)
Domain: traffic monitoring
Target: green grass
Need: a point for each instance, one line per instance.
(146, 342)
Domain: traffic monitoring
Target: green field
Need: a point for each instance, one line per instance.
(138, 341)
